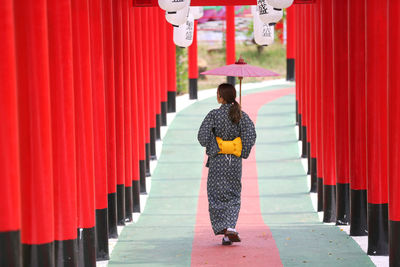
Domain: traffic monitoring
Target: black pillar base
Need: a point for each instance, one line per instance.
(297, 112)
(38, 255)
(231, 80)
(66, 252)
(101, 235)
(314, 182)
(10, 248)
(304, 142)
(290, 69)
(153, 152)
(171, 102)
(394, 243)
(193, 88)
(142, 172)
(309, 157)
(136, 196)
(86, 247)
(128, 204)
(342, 204)
(378, 243)
(120, 204)
(112, 215)
(147, 160)
(164, 108)
(320, 191)
(158, 126)
(358, 213)
(300, 128)
(329, 203)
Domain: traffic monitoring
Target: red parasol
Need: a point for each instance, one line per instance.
(241, 69)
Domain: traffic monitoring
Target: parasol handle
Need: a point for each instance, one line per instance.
(240, 91)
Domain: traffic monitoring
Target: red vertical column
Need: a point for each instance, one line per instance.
(119, 109)
(394, 130)
(37, 209)
(376, 94)
(138, 45)
(328, 126)
(152, 80)
(313, 107)
(297, 68)
(171, 76)
(10, 205)
(110, 116)
(303, 79)
(63, 131)
(127, 109)
(164, 67)
(230, 39)
(84, 132)
(192, 65)
(157, 65)
(341, 97)
(290, 44)
(99, 127)
(307, 85)
(146, 83)
(136, 145)
(357, 119)
(318, 103)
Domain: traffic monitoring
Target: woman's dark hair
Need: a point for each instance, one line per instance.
(228, 93)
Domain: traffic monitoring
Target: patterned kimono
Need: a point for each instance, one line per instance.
(225, 171)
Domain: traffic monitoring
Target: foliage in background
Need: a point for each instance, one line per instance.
(181, 70)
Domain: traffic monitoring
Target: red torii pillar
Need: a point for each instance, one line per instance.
(313, 106)
(376, 109)
(110, 117)
(119, 108)
(63, 131)
(164, 66)
(357, 119)
(34, 126)
(341, 95)
(127, 109)
(146, 84)
(302, 81)
(138, 48)
(297, 68)
(171, 75)
(328, 126)
(290, 44)
(157, 68)
(136, 116)
(307, 84)
(318, 104)
(99, 127)
(84, 133)
(394, 130)
(10, 205)
(193, 67)
(230, 39)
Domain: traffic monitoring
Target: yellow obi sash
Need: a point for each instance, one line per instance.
(233, 147)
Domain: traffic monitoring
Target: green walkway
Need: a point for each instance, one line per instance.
(163, 236)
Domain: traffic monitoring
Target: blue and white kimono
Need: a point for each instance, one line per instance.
(225, 171)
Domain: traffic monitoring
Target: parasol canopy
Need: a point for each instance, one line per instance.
(241, 69)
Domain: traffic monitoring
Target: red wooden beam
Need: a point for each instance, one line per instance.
(147, 3)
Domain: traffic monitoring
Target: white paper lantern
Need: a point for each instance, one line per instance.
(183, 35)
(263, 33)
(179, 17)
(173, 5)
(268, 14)
(280, 3)
(197, 11)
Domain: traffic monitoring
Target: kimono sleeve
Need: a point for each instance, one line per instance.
(206, 136)
(247, 134)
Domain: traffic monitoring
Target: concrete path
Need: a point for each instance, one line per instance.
(277, 221)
